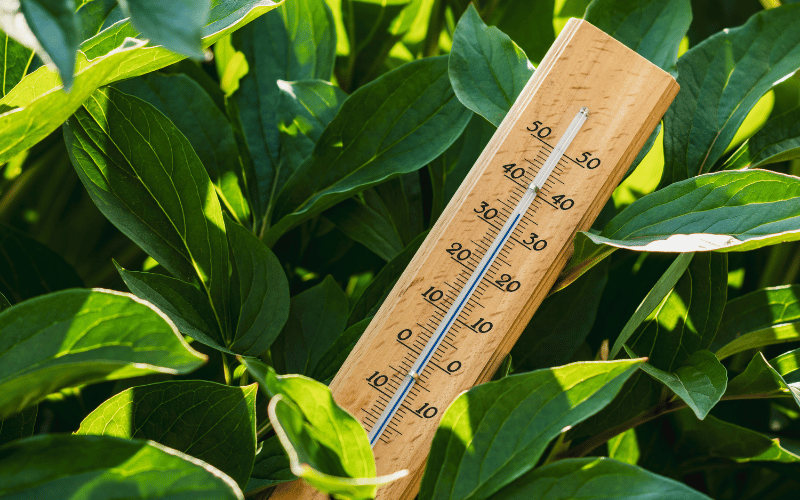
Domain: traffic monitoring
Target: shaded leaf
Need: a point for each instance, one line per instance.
(478, 447)
(271, 466)
(530, 25)
(87, 336)
(595, 478)
(177, 24)
(55, 26)
(778, 140)
(373, 28)
(487, 69)
(97, 15)
(334, 357)
(100, 467)
(14, 60)
(367, 226)
(721, 79)
(18, 426)
(212, 422)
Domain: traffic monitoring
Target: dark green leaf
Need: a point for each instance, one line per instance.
(778, 140)
(209, 421)
(14, 60)
(334, 357)
(487, 69)
(595, 479)
(271, 466)
(653, 28)
(103, 467)
(96, 15)
(391, 126)
(33, 109)
(360, 222)
(760, 379)
(194, 113)
(28, 268)
(86, 336)
(373, 28)
(55, 25)
(764, 317)
(531, 24)
(4, 303)
(176, 24)
(262, 296)
(478, 447)
(145, 177)
(18, 426)
(721, 80)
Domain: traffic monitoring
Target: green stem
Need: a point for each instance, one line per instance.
(262, 431)
(431, 44)
(226, 369)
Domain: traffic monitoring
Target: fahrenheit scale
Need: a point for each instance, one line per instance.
(498, 247)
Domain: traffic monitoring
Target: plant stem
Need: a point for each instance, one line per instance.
(226, 369)
(262, 431)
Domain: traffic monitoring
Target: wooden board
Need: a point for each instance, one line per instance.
(626, 96)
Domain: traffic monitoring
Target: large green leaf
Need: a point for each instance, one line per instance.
(778, 140)
(496, 432)
(760, 379)
(391, 126)
(33, 109)
(55, 26)
(28, 268)
(362, 223)
(77, 337)
(193, 111)
(209, 421)
(145, 177)
(653, 28)
(14, 61)
(487, 69)
(18, 426)
(297, 42)
(764, 317)
(177, 24)
(262, 297)
(595, 479)
(105, 468)
(326, 445)
(721, 79)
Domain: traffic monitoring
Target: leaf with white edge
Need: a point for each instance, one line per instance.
(143, 174)
(760, 379)
(100, 467)
(209, 421)
(405, 119)
(778, 140)
(487, 69)
(87, 336)
(764, 317)
(14, 61)
(32, 110)
(595, 478)
(260, 294)
(271, 466)
(326, 445)
(721, 79)
(479, 447)
(700, 381)
(176, 24)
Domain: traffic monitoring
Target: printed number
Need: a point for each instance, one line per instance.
(538, 245)
(482, 326)
(377, 380)
(514, 173)
(590, 163)
(427, 411)
(488, 213)
(432, 294)
(542, 132)
(563, 204)
(404, 334)
(458, 252)
(454, 366)
(506, 284)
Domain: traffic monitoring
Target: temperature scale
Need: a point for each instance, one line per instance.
(498, 247)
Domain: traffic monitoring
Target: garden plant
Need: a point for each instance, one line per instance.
(204, 202)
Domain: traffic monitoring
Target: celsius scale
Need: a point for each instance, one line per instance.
(498, 247)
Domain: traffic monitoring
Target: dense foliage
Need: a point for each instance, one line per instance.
(260, 204)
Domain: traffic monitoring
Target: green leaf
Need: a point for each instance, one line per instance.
(496, 432)
(18, 426)
(403, 120)
(87, 336)
(143, 174)
(176, 25)
(653, 28)
(32, 110)
(333, 359)
(55, 25)
(4, 303)
(231, 65)
(760, 379)
(721, 79)
(764, 317)
(262, 296)
(362, 223)
(326, 445)
(297, 42)
(317, 318)
(373, 28)
(624, 447)
(271, 466)
(96, 15)
(14, 60)
(700, 381)
(778, 140)
(487, 69)
(103, 467)
(194, 113)
(212, 422)
(530, 25)
(595, 478)
(28, 268)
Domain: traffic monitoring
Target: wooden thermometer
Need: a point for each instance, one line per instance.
(497, 249)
